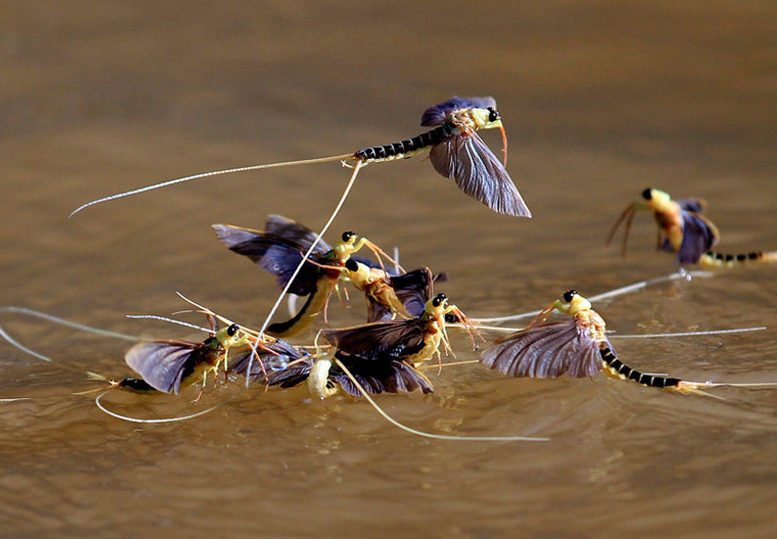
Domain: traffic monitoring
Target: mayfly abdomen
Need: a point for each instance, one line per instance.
(404, 148)
(617, 368)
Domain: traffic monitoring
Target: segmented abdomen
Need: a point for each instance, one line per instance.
(403, 148)
(620, 369)
(711, 258)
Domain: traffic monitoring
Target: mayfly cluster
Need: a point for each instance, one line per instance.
(407, 322)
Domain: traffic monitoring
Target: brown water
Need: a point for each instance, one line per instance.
(600, 101)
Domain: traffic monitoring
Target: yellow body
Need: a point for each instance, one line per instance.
(668, 215)
(584, 315)
(479, 118)
(374, 283)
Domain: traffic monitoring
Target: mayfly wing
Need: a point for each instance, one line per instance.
(294, 232)
(699, 235)
(273, 254)
(437, 114)
(412, 289)
(394, 338)
(380, 377)
(545, 351)
(161, 364)
(278, 363)
(693, 204)
(476, 170)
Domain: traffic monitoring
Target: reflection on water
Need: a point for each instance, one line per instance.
(599, 100)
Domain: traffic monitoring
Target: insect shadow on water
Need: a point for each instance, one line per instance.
(682, 229)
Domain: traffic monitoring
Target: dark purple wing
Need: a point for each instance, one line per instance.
(277, 370)
(379, 377)
(545, 351)
(692, 204)
(393, 339)
(477, 171)
(413, 289)
(294, 232)
(273, 254)
(160, 364)
(436, 115)
(699, 235)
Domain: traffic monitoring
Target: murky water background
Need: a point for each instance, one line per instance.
(600, 101)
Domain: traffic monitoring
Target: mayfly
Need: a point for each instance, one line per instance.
(577, 346)
(168, 365)
(397, 345)
(683, 229)
(279, 250)
(455, 150)
(389, 295)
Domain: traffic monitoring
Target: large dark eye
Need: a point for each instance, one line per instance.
(351, 265)
(231, 330)
(569, 294)
(647, 194)
(493, 115)
(438, 299)
(348, 235)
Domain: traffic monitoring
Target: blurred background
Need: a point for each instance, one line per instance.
(600, 100)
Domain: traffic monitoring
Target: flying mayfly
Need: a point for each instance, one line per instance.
(683, 229)
(577, 346)
(455, 150)
(279, 249)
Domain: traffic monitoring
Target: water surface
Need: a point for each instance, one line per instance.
(600, 101)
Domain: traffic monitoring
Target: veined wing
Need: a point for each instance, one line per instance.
(160, 364)
(477, 171)
(376, 377)
(273, 254)
(436, 115)
(395, 339)
(545, 351)
(294, 232)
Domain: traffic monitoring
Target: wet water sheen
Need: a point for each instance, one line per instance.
(600, 100)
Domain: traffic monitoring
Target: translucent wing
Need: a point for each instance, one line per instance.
(393, 339)
(477, 171)
(273, 254)
(379, 377)
(436, 115)
(162, 365)
(699, 235)
(294, 232)
(546, 351)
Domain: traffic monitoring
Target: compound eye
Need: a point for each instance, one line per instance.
(351, 265)
(439, 299)
(569, 294)
(493, 115)
(231, 330)
(647, 194)
(348, 235)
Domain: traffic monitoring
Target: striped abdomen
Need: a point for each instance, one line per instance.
(615, 367)
(404, 148)
(713, 259)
